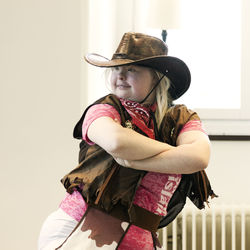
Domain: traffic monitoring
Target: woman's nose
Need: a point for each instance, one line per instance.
(122, 74)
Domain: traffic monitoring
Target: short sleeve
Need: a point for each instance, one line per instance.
(97, 111)
(177, 120)
(192, 126)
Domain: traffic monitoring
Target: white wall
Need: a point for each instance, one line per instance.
(229, 171)
(40, 71)
(42, 96)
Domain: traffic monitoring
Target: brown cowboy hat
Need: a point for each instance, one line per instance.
(148, 51)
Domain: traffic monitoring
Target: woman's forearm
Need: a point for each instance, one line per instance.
(183, 159)
(122, 142)
(134, 146)
(140, 152)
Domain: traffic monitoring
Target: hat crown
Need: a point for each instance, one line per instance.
(137, 46)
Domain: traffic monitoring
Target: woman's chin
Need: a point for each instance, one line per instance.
(122, 94)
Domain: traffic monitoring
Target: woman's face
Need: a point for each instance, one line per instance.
(133, 82)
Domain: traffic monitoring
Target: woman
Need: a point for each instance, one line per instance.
(136, 146)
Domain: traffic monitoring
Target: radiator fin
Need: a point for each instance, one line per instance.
(220, 227)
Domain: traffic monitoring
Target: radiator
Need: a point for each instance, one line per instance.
(219, 227)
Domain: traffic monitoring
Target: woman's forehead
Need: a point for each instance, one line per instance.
(133, 66)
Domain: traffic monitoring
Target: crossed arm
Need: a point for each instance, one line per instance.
(134, 150)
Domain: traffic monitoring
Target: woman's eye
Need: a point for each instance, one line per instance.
(132, 70)
(115, 68)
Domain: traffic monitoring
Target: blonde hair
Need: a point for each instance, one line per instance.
(163, 99)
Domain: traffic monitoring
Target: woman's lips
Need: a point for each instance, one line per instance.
(122, 86)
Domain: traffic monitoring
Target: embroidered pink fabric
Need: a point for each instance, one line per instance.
(155, 190)
(74, 205)
(193, 125)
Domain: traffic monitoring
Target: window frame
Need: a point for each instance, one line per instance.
(233, 123)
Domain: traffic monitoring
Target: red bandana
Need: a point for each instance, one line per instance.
(140, 116)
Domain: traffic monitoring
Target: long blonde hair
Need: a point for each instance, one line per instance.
(163, 100)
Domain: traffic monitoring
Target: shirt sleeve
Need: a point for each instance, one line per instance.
(193, 125)
(97, 111)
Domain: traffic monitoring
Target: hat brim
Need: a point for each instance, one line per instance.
(174, 68)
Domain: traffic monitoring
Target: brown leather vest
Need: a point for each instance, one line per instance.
(110, 187)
